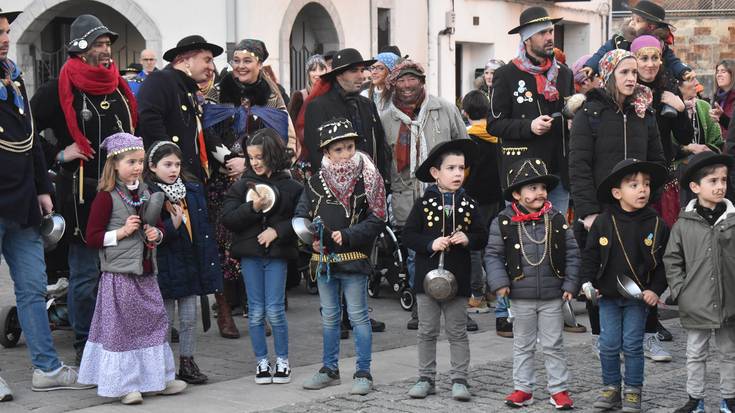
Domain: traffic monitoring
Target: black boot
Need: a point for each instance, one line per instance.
(413, 323)
(189, 371)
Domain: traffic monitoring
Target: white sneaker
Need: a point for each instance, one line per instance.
(282, 374)
(653, 349)
(6, 394)
(174, 387)
(132, 398)
(63, 378)
(263, 372)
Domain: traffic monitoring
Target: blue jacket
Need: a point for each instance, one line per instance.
(671, 63)
(184, 267)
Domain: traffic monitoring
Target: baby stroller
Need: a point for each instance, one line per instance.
(56, 308)
(388, 261)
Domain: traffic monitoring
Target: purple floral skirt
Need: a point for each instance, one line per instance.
(127, 350)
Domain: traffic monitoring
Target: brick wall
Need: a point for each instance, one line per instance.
(701, 42)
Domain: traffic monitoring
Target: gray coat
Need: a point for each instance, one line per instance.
(538, 283)
(700, 268)
(438, 121)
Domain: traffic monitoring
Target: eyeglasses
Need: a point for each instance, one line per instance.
(377, 68)
(153, 59)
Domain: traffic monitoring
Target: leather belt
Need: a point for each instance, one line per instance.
(341, 257)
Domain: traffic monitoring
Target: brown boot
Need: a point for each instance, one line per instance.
(189, 371)
(227, 328)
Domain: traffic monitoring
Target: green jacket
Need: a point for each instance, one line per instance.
(712, 132)
(700, 268)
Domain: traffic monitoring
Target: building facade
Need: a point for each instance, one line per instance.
(452, 39)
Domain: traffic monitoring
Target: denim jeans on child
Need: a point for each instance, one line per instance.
(354, 287)
(622, 323)
(265, 283)
(697, 354)
(84, 275)
(542, 320)
(23, 251)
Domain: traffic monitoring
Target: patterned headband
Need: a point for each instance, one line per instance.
(157, 146)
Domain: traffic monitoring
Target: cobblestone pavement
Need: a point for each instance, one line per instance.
(664, 388)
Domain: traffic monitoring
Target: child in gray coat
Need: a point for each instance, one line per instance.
(532, 257)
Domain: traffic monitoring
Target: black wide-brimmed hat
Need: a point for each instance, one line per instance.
(10, 15)
(657, 172)
(701, 160)
(466, 146)
(533, 15)
(649, 11)
(84, 30)
(345, 59)
(188, 43)
(334, 130)
(525, 172)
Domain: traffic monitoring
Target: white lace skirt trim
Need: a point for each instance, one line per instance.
(119, 373)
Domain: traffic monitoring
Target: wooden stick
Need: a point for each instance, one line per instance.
(81, 181)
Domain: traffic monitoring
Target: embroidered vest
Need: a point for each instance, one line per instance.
(511, 232)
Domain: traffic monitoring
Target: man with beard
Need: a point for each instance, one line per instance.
(415, 122)
(527, 99)
(89, 102)
(169, 107)
(338, 95)
(24, 196)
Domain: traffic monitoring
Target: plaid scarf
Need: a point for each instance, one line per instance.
(545, 85)
(341, 178)
(402, 149)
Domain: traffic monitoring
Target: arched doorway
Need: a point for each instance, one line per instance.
(313, 27)
(42, 37)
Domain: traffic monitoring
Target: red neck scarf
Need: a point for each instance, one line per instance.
(402, 149)
(532, 216)
(94, 80)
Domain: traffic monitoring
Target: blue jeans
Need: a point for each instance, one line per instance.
(411, 266)
(354, 287)
(501, 311)
(84, 275)
(23, 250)
(559, 198)
(265, 283)
(622, 323)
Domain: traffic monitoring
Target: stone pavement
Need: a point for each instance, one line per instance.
(230, 364)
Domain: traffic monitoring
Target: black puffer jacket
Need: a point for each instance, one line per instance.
(246, 224)
(601, 137)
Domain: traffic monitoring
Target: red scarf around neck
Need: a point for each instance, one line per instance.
(94, 80)
(531, 216)
(402, 149)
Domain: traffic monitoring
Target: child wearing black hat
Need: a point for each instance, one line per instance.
(533, 258)
(625, 243)
(699, 269)
(346, 201)
(648, 18)
(445, 222)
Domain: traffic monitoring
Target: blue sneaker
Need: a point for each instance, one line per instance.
(726, 405)
(693, 406)
(323, 378)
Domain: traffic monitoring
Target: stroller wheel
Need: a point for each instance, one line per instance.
(407, 299)
(11, 327)
(374, 287)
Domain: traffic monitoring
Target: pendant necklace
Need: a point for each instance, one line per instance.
(105, 104)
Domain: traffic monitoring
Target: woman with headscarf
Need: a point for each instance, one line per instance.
(583, 83)
(248, 101)
(379, 90)
(614, 123)
(485, 82)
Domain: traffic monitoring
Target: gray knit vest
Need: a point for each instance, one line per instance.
(127, 256)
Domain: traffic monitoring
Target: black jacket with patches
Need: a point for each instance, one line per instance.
(428, 221)
(514, 104)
